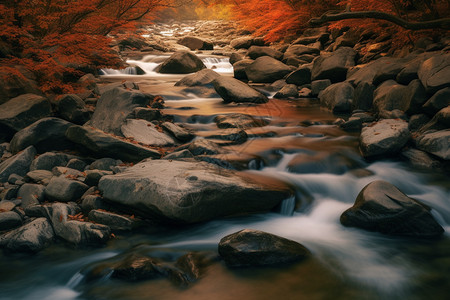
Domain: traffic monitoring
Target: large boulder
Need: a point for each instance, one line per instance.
(414, 97)
(338, 97)
(382, 207)
(295, 51)
(101, 144)
(437, 143)
(146, 133)
(233, 90)
(242, 42)
(386, 137)
(195, 43)
(287, 91)
(389, 96)
(239, 68)
(32, 237)
(438, 101)
(203, 77)
(237, 120)
(178, 132)
(257, 51)
(22, 111)
(49, 160)
(299, 77)
(253, 248)
(31, 194)
(267, 70)
(18, 164)
(64, 190)
(435, 73)
(333, 65)
(190, 192)
(45, 135)
(367, 72)
(73, 109)
(181, 62)
(115, 106)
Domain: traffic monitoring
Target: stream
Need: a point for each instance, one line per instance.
(347, 263)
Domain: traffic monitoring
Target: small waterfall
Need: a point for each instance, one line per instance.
(287, 206)
(75, 280)
(218, 64)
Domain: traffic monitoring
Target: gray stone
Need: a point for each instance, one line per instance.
(9, 192)
(105, 164)
(386, 137)
(31, 194)
(389, 96)
(76, 164)
(190, 192)
(49, 160)
(64, 190)
(252, 248)
(9, 220)
(299, 77)
(319, 85)
(39, 176)
(337, 97)
(181, 62)
(421, 160)
(438, 101)
(177, 131)
(238, 120)
(266, 69)
(257, 51)
(233, 90)
(102, 144)
(435, 73)
(73, 109)
(289, 90)
(415, 96)
(18, 164)
(334, 65)
(67, 172)
(203, 77)
(112, 220)
(146, 133)
(148, 114)
(382, 207)
(32, 237)
(436, 143)
(91, 202)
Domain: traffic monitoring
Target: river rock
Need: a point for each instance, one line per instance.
(203, 77)
(18, 164)
(233, 90)
(242, 42)
(32, 237)
(102, 144)
(146, 113)
(31, 194)
(104, 164)
(257, 51)
(437, 102)
(190, 192)
(436, 143)
(24, 110)
(294, 51)
(112, 220)
(73, 109)
(49, 160)
(146, 133)
(77, 164)
(333, 65)
(195, 43)
(253, 248)
(386, 137)
(299, 77)
(421, 159)
(389, 71)
(45, 135)
(319, 85)
(389, 96)
(178, 132)
(9, 220)
(367, 72)
(181, 62)
(363, 98)
(289, 90)
(235, 57)
(382, 207)
(266, 69)
(64, 189)
(338, 97)
(39, 176)
(203, 146)
(239, 68)
(238, 120)
(414, 97)
(115, 106)
(435, 73)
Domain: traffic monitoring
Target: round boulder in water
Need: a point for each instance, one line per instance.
(257, 248)
(181, 62)
(382, 207)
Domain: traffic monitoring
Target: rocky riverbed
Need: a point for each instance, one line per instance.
(216, 165)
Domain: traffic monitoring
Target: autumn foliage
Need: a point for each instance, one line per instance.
(60, 40)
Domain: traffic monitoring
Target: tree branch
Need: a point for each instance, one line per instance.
(330, 17)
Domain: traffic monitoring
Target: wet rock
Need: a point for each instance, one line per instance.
(179, 155)
(146, 133)
(203, 146)
(23, 111)
(382, 207)
(233, 90)
(9, 220)
(203, 77)
(237, 120)
(266, 69)
(389, 96)
(239, 68)
(337, 97)
(436, 143)
(178, 132)
(112, 220)
(148, 114)
(435, 73)
(319, 85)
(324, 162)
(257, 51)
(195, 43)
(18, 164)
(334, 65)
(115, 106)
(190, 192)
(39, 176)
(363, 98)
(49, 160)
(386, 137)
(32, 237)
(76, 164)
(289, 90)
(132, 42)
(15, 179)
(181, 62)
(299, 77)
(73, 109)
(64, 190)
(252, 248)
(31, 194)
(242, 42)
(437, 102)
(45, 135)
(421, 159)
(102, 144)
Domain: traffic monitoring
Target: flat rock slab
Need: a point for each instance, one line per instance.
(251, 248)
(190, 192)
(64, 189)
(146, 133)
(435, 73)
(385, 137)
(102, 144)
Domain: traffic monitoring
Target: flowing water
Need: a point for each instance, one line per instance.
(347, 263)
